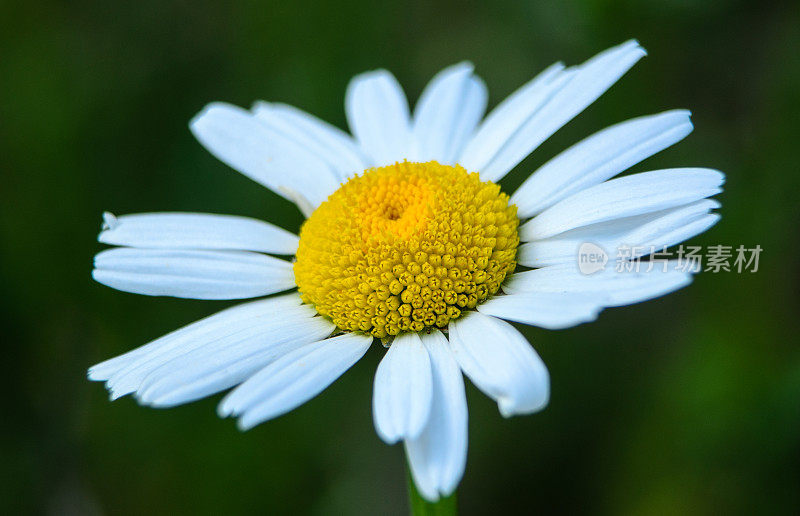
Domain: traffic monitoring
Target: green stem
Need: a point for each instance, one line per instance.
(419, 506)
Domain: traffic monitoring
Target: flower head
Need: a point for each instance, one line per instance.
(409, 239)
(406, 247)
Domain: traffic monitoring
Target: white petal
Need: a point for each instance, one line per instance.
(570, 93)
(402, 392)
(126, 372)
(678, 235)
(192, 274)
(627, 196)
(553, 311)
(293, 379)
(500, 362)
(438, 456)
(598, 158)
(240, 140)
(447, 113)
(652, 231)
(614, 288)
(377, 112)
(198, 231)
(327, 142)
(226, 362)
(505, 119)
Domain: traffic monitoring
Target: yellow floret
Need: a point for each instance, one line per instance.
(406, 247)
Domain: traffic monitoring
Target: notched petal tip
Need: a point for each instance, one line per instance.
(634, 43)
(509, 408)
(258, 105)
(197, 123)
(465, 66)
(110, 221)
(369, 75)
(94, 375)
(684, 114)
(197, 119)
(251, 420)
(115, 394)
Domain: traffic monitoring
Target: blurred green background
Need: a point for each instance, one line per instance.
(689, 404)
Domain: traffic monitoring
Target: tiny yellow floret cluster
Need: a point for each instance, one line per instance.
(406, 247)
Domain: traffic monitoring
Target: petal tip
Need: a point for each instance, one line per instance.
(114, 394)
(243, 424)
(224, 408)
(387, 438)
(634, 44)
(198, 122)
(95, 375)
(110, 221)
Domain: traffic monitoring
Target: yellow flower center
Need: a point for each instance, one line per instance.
(406, 247)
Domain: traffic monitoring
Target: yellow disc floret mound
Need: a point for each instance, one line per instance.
(406, 247)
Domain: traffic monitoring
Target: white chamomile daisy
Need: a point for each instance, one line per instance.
(408, 239)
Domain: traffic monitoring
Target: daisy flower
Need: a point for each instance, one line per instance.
(408, 239)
